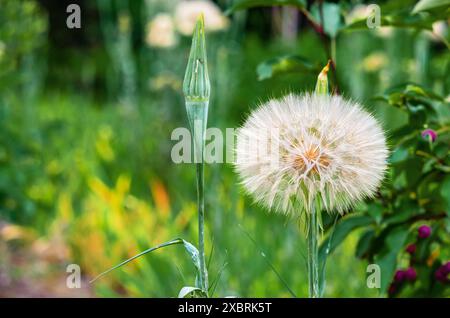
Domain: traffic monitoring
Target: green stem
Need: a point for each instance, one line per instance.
(333, 51)
(313, 251)
(201, 226)
(198, 113)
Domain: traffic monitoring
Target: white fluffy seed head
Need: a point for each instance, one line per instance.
(298, 148)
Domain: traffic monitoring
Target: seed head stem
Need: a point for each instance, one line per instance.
(313, 251)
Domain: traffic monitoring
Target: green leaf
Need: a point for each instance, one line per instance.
(412, 168)
(284, 64)
(332, 18)
(342, 230)
(433, 192)
(193, 253)
(445, 192)
(397, 14)
(387, 261)
(247, 4)
(364, 243)
(191, 249)
(338, 233)
(416, 101)
(403, 210)
(399, 20)
(191, 292)
(375, 210)
(398, 155)
(416, 90)
(426, 5)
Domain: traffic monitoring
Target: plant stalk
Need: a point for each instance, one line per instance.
(313, 251)
(196, 89)
(198, 114)
(203, 278)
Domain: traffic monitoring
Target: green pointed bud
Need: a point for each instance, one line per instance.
(196, 89)
(196, 85)
(322, 81)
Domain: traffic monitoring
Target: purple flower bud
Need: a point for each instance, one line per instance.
(400, 276)
(424, 231)
(410, 274)
(429, 134)
(440, 275)
(446, 268)
(411, 248)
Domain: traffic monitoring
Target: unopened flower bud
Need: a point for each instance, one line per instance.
(429, 134)
(410, 274)
(411, 249)
(424, 231)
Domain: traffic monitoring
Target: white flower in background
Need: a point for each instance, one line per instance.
(328, 148)
(374, 62)
(161, 31)
(165, 80)
(359, 12)
(385, 31)
(440, 30)
(187, 12)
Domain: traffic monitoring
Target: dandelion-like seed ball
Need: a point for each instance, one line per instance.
(309, 147)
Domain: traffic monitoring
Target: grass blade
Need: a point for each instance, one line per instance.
(173, 242)
(268, 262)
(217, 279)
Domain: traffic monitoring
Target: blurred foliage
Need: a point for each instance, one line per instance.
(85, 123)
(416, 193)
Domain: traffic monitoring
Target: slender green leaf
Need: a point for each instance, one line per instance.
(191, 249)
(217, 279)
(285, 64)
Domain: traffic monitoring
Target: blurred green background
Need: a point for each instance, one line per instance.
(86, 117)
